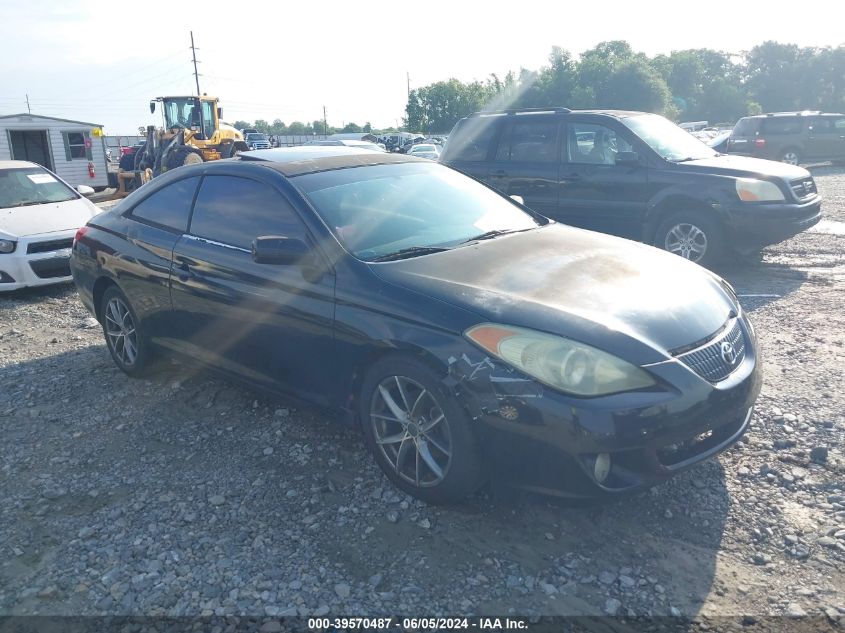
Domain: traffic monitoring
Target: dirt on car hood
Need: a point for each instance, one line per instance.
(574, 282)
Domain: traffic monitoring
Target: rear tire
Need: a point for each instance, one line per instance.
(790, 156)
(692, 236)
(129, 348)
(418, 433)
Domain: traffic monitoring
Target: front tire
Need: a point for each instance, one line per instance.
(183, 155)
(691, 236)
(128, 347)
(419, 435)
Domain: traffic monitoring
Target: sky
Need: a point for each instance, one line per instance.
(99, 61)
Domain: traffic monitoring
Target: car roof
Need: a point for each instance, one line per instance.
(18, 164)
(308, 159)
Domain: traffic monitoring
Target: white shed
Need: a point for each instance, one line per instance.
(74, 150)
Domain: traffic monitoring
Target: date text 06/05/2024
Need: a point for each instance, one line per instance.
(417, 624)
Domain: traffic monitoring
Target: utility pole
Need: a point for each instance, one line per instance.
(28, 109)
(408, 75)
(325, 123)
(196, 74)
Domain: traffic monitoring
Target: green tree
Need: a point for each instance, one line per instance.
(262, 126)
(297, 128)
(242, 125)
(349, 128)
(635, 85)
(278, 127)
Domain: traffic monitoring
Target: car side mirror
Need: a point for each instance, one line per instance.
(273, 249)
(630, 159)
(152, 106)
(85, 190)
(518, 199)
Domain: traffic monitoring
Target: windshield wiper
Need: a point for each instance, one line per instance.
(685, 159)
(411, 251)
(495, 233)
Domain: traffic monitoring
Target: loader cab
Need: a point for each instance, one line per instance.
(190, 113)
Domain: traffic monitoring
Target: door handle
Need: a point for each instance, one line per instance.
(183, 269)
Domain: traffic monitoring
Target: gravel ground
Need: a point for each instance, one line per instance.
(189, 495)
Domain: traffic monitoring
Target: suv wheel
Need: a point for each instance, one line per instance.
(790, 156)
(692, 236)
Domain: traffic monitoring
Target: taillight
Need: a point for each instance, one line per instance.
(760, 142)
(80, 234)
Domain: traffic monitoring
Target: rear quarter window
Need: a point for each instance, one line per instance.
(472, 140)
(785, 125)
(170, 206)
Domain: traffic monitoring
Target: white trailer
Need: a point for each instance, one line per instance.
(74, 150)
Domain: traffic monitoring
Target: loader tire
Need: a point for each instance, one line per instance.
(183, 156)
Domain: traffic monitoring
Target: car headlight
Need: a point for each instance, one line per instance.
(7, 246)
(751, 190)
(560, 363)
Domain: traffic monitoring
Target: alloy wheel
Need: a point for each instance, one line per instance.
(121, 331)
(790, 158)
(686, 240)
(411, 431)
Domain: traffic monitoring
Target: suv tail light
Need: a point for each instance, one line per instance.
(80, 233)
(760, 142)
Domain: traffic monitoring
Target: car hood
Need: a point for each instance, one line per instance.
(745, 166)
(598, 289)
(46, 218)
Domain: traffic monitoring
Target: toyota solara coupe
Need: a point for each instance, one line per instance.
(467, 336)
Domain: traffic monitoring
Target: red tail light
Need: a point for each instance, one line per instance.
(91, 173)
(760, 142)
(80, 234)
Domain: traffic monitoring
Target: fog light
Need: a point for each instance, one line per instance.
(601, 469)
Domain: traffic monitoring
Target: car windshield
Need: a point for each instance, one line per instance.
(423, 148)
(380, 210)
(256, 137)
(667, 139)
(31, 186)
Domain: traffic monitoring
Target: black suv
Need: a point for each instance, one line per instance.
(636, 175)
(790, 137)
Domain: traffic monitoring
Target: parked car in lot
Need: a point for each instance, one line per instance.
(463, 332)
(257, 140)
(348, 143)
(638, 176)
(791, 137)
(39, 215)
(425, 150)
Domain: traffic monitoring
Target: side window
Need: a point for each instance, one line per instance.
(169, 207)
(529, 142)
(839, 125)
(593, 144)
(235, 211)
(782, 125)
(207, 118)
(823, 126)
(472, 140)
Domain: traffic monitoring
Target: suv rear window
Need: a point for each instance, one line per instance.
(782, 125)
(471, 141)
(745, 127)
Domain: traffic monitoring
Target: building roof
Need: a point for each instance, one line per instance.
(49, 118)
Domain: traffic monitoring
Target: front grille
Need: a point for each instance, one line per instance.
(52, 245)
(51, 268)
(711, 361)
(803, 188)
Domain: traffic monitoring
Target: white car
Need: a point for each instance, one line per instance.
(39, 216)
(425, 150)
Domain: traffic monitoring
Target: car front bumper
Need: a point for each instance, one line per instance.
(545, 441)
(48, 263)
(752, 227)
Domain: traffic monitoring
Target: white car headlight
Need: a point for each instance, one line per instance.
(751, 190)
(560, 363)
(7, 246)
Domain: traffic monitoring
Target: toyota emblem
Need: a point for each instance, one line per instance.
(728, 353)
